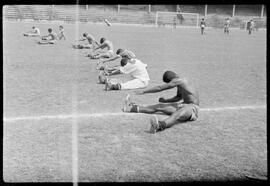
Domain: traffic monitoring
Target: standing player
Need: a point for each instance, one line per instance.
(51, 38)
(104, 44)
(203, 25)
(184, 106)
(91, 41)
(61, 34)
(33, 33)
(226, 25)
(250, 26)
(174, 22)
(137, 71)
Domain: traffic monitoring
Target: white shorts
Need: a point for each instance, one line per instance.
(134, 84)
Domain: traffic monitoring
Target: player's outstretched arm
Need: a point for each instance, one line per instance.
(97, 43)
(170, 100)
(111, 59)
(115, 72)
(159, 88)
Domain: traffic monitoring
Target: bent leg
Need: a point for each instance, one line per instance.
(181, 115)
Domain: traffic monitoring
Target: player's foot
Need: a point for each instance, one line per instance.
(107, 84)
(128, 105)
(154, 124)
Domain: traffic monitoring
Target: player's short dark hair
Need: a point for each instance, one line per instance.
(102, 40)
(124, 61)
(49, 30)
(169, 75)
(119, 51)
(84, 34)
(33, 27)
(61, 26)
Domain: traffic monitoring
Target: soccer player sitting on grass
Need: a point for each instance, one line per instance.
(137, 71)
(33, 33)
(180, 108)
(61, 34)
(102, 54)
(91, 42)
(51, 38)
(120, 53)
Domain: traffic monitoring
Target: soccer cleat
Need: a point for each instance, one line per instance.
(107, 84)
(128, 105)
(154, 124)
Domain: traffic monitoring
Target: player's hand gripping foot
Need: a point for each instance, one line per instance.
(154, 124)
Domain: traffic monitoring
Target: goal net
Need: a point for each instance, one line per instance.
(177, 19)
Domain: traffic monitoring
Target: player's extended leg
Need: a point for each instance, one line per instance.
(166, 108)
(134, 84)
(31, 35)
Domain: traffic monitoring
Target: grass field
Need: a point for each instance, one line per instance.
(60, 125)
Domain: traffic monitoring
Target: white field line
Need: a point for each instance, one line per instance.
(73, 116)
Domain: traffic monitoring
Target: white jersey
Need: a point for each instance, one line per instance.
(37, 31)
(137, 70)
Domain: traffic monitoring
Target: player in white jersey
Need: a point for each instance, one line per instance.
(33, 33)
(136, 69)
(61, 34)
(91, 42)
(51, 38)
(104, 44)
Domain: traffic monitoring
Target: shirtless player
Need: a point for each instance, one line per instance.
(180, 108)
(91, 42)
(104, 43)
(51, 38)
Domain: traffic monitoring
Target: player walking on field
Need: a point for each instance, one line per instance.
(203, 25)
(180, 108)
(137, 71)
(33, 33)
(51, 38)
(104, 44)
(91, 42)
(250, 26)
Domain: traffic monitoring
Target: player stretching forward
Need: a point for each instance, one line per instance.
(120, 53)
(91, 41)
(103, 44)
(203, 25)
(61, 34)
(226, 25)
(33, 33)
(180, 108)
(136, 69)
(51, 38)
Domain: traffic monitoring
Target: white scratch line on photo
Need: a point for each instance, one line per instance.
(70, 116)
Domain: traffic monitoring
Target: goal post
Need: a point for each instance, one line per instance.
(180, 18)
